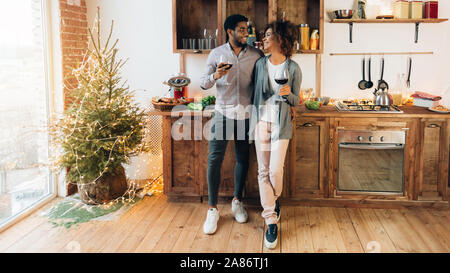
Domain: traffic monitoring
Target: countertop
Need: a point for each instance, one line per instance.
(325, 111)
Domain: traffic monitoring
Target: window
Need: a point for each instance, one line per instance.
(25, 178)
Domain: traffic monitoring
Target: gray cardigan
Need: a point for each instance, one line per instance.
(263, 91)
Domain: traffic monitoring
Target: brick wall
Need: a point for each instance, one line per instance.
(74, 41)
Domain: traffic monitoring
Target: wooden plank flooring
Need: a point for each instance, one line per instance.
(155, 225)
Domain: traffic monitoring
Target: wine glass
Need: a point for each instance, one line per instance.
(225, 62)
(281, 78)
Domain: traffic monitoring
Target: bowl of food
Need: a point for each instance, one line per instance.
(323, 100)
(343, 13)
(313, 104)
(166, 104)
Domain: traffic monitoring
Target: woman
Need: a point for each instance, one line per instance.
(271, 121)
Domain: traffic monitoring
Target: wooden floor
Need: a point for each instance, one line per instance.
(155, 225)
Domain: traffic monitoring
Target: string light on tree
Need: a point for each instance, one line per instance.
(102, 128)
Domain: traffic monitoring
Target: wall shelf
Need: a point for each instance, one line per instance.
(380, 53)
(388, 21)
(304, 51)
(191, 17)
(193, 51)
(350, 22)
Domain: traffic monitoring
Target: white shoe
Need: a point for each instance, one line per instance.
(239, 212)
(210, 225)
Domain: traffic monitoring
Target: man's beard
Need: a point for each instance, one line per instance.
(238, 43)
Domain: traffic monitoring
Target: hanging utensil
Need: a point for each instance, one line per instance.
(381, 83)
(369, 84)
(408, 81)
(363, 82)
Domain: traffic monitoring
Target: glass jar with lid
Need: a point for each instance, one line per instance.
(304, 32)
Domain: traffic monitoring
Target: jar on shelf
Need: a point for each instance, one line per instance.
(401, 9)
(415, 9)
(431, 9)
(304, 32)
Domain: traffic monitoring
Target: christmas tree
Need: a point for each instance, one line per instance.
(103, 127)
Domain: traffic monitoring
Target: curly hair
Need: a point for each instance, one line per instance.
(286, 33)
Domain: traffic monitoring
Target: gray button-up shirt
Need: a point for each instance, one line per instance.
(235, 89)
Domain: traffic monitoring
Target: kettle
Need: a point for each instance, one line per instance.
(382, 97)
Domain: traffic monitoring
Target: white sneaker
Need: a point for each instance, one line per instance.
(239, 212)
(210, 225)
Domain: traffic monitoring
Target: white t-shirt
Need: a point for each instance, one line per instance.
(270, 110)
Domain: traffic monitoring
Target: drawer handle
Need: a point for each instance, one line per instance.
(308, 124)
(433, 126)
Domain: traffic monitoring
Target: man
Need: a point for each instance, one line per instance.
(234, 92)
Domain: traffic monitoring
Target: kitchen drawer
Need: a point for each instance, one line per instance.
(370, 123)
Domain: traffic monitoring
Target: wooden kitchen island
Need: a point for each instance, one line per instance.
(311, 166)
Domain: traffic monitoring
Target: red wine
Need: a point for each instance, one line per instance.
(281, 81)
(226, 68)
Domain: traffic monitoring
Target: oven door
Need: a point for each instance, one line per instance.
(371, 168)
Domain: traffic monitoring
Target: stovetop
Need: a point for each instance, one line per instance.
(365, 106)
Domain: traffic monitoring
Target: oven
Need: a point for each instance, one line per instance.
(371, 162)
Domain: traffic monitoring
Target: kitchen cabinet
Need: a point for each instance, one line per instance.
(303, 12)
(309, 158)
(181, 172)
(185, 162)
(257, 12)
(434, 150)
(311, 175)
(191, 17)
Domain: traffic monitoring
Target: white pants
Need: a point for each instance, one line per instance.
(271, 154)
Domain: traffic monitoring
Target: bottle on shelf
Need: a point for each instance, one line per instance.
(283, 17)
(251, 34)
(304, 32)
(314, 41)
(296, 45)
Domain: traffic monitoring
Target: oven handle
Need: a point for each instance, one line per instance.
(372, 147)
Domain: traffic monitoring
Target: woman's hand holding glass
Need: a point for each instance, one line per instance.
(282, 78)
(285, 90)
